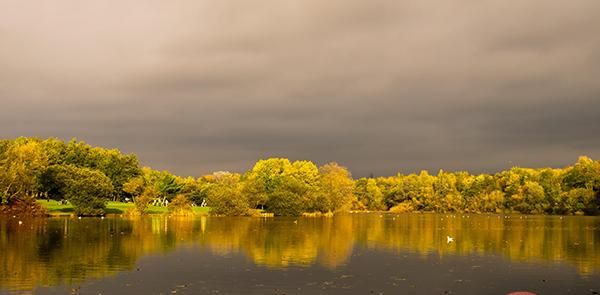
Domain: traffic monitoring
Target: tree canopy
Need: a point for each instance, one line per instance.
(88, 176)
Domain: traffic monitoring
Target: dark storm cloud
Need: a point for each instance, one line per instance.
(379, 86)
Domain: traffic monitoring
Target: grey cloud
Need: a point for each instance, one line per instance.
(380, 86)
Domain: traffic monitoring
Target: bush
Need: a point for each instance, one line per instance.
(181, 206)
(24, 206)
(88, 206)
(142, 201)
(579, 200)
(229, 202)
(140, 207)
(403, 207)
(286, 203)
(358, 206)
(224, 196)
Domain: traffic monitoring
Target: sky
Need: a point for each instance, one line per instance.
(381, 87)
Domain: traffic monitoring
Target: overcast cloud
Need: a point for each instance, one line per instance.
(378, 86)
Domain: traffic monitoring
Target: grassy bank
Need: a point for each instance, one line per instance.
(55, 208)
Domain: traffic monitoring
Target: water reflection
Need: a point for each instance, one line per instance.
(47, 252)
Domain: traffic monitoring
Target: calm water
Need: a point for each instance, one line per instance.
(352, 254)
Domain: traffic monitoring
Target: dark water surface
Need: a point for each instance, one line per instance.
(351, 254)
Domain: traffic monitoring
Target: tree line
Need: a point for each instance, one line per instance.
(86, 176)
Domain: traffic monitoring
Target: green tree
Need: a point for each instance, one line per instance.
(585, 174)
(224, 196)
(534, 198)
(420, 190)
(369, 194)
(55, 150)
(168, 186)
(289, 199)
(393, 191)
(491, 202)
(119, 168)
(87, 189)
(266, 177)
(276, 184)
(192, 189)
(579, 201)
(303, 179)
(551, 181)
(447, 197)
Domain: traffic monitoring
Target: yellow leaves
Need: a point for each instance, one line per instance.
(21, 165)
(134, 186)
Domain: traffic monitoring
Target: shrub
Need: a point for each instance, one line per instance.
(358, 206)
(24, 206)
(224, 196)
(286, 203)
(403, 207)
(142, 201)
(181, 206)
(579, 201)
(229, 202)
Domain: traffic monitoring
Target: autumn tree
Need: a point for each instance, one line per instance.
(21, 164)
(336, 188)
(135, 187)
(224, 196)
(282, 187)
(369, 194)
(585, 174)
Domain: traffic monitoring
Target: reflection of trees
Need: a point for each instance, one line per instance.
(55, 251)
(520, 238)
(336, 241)
(49, 252)
(275, 242)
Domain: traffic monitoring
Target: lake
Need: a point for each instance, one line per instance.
(366, 253)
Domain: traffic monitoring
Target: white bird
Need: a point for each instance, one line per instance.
(20, 222)
(296, 221)
(79, 217)
(449, 239)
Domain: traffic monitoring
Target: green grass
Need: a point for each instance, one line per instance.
(55, 208)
